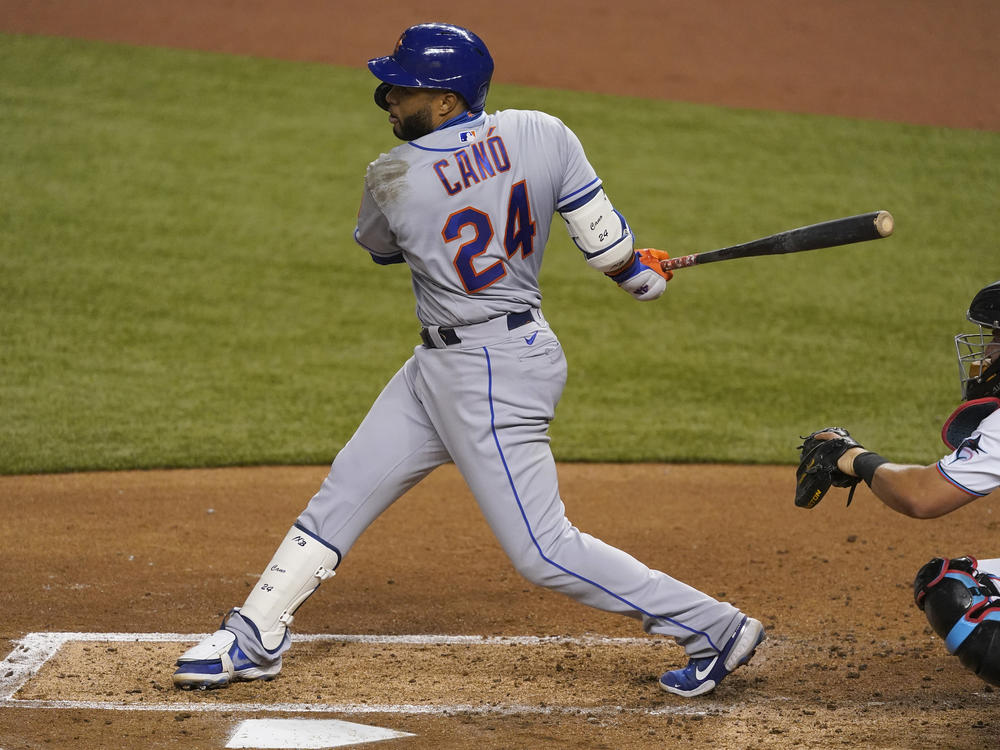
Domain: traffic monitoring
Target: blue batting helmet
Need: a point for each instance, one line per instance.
(437, 56)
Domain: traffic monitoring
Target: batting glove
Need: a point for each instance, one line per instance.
(643, 278)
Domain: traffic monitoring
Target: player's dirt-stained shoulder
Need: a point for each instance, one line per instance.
(385, 178)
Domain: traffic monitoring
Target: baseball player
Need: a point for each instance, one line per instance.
(466, 202)
(961, 597)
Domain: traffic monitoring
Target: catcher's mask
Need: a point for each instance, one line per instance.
(436, 56)
(979, 352)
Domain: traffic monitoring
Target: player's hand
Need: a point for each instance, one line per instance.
(845, 463)
(640, 280)
(652, 257)
(819, 465)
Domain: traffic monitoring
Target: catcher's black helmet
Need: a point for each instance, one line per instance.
(979, 353)
(985, 306)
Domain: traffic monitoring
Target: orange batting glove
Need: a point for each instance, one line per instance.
(651, 258)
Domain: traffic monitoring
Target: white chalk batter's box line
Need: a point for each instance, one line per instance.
(33, 650)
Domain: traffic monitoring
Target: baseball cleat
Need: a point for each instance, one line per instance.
(217, 661)
(703, 675)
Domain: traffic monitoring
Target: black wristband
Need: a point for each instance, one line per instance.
(865, 464)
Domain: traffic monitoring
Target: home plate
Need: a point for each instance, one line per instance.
(306, 733)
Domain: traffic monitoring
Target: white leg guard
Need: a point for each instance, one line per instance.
(298, 567)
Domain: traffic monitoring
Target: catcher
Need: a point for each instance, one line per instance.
(961, 597)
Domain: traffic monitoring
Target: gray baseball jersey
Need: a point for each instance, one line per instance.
(468, 216)
(468, 208)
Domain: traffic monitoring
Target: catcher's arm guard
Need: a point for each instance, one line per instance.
(818, 470)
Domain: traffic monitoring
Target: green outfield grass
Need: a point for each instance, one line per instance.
(179, 285)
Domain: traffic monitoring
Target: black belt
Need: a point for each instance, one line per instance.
(449, 337)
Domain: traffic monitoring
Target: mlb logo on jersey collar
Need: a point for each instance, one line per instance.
(466, 136)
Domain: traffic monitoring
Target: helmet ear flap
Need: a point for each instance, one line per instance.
(381, 91)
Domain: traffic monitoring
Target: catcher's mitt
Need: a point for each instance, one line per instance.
(818, 470)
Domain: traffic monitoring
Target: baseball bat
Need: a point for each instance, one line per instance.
(860, 228)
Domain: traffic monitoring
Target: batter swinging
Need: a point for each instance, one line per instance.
(466, 202)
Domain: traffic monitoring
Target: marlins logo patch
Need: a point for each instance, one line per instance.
(968, 448)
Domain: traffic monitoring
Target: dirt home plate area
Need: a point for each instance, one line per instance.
(427, 637)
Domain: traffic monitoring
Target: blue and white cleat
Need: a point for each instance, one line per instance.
(217, 661)
(703, 675)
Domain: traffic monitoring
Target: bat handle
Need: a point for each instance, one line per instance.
(672, 264)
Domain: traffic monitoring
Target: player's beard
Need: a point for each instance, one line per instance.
(414, 126)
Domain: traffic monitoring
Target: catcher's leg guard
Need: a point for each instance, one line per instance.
(975, 640)
(301, 562)
(992, 567)
(945, 590)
